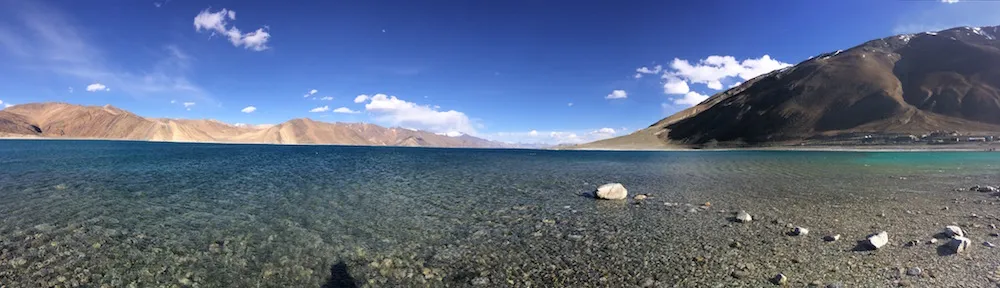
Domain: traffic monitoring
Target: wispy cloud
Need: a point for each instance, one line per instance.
(345, 110)
(555, 137)
(948, 14)
(320, 109)
(249, 109)
(47, 40)
(218, 22)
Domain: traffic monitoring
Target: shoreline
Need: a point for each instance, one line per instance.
(979, 147)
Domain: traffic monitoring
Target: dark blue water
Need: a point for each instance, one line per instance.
(210, 215)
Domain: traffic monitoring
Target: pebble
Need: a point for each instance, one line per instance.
(611, 191)
(779, 279)
(575, 237)
(878, 240)
(831, 238)
(959, 244)
(816, 283)
(914, 271)
(952, 231)
(648, 282)
(988, 244)
(835, 285)
(640, 197)
(743, 216)
(693, 210)
(739, 274)
(735, 244)
(480, 281)
(932, 241)
(799, 231)
(995, 234)
(904, 283)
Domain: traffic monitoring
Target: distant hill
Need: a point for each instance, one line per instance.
(908, 84)
(61, 120)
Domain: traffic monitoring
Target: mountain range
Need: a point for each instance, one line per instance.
(905, 84)
(61, 120)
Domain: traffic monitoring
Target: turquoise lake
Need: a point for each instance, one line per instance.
(141, 214)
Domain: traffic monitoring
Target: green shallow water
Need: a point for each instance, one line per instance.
(93, 213)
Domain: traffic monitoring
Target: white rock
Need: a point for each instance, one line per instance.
(743, 216)
(958, 244)
(799, 231)
(831, 238)
(878, 240)
(612, 191)
(953, 231)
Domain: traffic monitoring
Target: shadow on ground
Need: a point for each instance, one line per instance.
(339, 277)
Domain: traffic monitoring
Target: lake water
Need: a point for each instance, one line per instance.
(120, 214)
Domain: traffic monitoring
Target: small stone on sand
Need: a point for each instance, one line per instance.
(831, 238)
(779, 279)
(612, 191)
(959, 244)
(743, 216)
(878, 240)
(914, 271)
(952, 231)
(799, 231)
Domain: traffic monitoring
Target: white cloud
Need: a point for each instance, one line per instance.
(645, 70)
(715, 85)
(249, 109)
(345, 110)
(188, 105)
(617, 94)
(1, 101)
(361, 98)
(310, 93)
(713, 70)
(735, 84)
(605, 131)
(327, 98)
(8, 105)
(398, 112)
(173, 101)
(691, 98)
(70, 89)
(553, 137)
(637, 75)
(217, 22)
(320, 109)
(949, 1)
(674, 85)
(570, 104)
(97, 87)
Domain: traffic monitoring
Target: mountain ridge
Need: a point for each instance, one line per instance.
(64, 120)
(903, 84)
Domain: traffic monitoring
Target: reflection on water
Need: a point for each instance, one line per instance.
(88, 213)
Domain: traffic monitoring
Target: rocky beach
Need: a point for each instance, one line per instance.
(202, 215)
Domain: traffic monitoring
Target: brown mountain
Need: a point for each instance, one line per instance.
(907, 84)
(61, 120)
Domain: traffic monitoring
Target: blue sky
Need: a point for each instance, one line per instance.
(519, 71)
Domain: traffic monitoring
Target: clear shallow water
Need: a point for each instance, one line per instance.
(205, 215)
